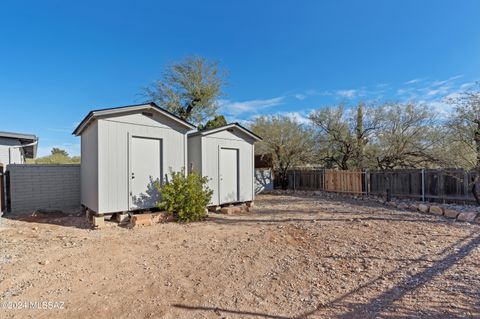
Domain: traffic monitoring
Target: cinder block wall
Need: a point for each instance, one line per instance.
(52, 187)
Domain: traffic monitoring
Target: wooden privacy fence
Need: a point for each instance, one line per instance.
(325, 179)
(452, 185)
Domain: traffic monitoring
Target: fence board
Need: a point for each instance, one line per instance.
(343, 181)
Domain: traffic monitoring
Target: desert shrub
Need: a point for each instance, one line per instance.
(185, 196)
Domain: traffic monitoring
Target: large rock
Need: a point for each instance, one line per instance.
(402, 206)
(437, 210)
(161, 217)
(231, 210)
(451, 213)
(477, 220)
(423, 208)
(141, 220)
(467, 217)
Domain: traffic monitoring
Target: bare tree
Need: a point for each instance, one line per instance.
(289, 142)
(343, 134)
(464, 126)
(406, 138)
(189, 89)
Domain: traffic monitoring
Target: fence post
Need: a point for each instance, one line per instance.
(423, 184)
(366, 182)
(294, 182)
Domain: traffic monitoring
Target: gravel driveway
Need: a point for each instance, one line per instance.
(295, 256)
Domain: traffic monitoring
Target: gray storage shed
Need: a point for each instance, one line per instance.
(226, 156)
(124, 150)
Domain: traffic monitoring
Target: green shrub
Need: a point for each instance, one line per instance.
(185, 196)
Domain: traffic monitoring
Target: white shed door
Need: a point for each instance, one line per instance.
(228, 175)
(145, 170)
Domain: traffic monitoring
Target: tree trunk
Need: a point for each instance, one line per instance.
(388, 191)
(284, 179)
(476, 179)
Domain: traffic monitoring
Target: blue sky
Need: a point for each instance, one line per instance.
(60, 59)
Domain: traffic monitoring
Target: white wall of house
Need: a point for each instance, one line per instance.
(9, 154)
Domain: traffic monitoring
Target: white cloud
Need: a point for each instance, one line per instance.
(348, 93)
(441, 109)
(466, 86)
(297, 116)
(449, 80)
(442, 90)
(300, 97)
(319, 93)
(251, 106)
(413, 81)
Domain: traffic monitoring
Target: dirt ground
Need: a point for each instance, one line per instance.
(294, 257)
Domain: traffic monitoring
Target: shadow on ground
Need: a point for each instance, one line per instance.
(59, 218)
(345, 307)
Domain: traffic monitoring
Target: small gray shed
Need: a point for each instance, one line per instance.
(226, 156)
(124, 150)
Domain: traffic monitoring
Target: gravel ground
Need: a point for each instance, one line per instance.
(293, 257)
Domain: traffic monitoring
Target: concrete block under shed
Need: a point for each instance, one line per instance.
(98, 221)
(121, 218)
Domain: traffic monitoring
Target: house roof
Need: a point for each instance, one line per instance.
(227, 127)
(120, 109)
(29, 151)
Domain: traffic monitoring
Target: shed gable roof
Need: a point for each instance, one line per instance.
(122, 109)
(230, 126)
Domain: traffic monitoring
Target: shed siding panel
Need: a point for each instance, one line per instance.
(231, 135)
(89, 167)
(156, 120)
(195, 154)
(113, 158)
